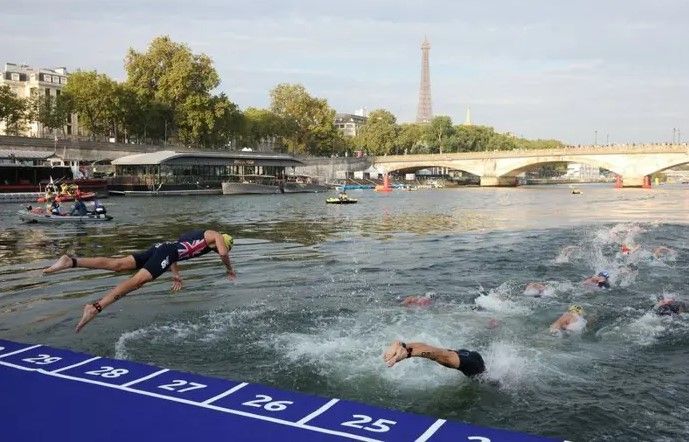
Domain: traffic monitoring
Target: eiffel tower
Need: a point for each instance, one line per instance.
(424, 112)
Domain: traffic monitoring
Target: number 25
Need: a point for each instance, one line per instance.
(379, 426)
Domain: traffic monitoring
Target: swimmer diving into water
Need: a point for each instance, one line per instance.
(150, 264)
(468, 362)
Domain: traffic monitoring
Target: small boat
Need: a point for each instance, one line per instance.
(576, 192)
(338, 200)
(46, 218)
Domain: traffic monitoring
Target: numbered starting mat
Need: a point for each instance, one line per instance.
(60, 395)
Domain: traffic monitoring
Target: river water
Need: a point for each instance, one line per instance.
(317, 300)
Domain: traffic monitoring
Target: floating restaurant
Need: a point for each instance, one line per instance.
(197, 173)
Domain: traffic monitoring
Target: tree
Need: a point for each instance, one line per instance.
(51, 112)
(379, 134)
(473, 138)
(309, 122)
(410, 138)
(439, 133)
(260, 125)
(170, 73)
(208, 121)
(94, 98)
(13, 111)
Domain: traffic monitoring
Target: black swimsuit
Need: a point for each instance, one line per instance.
(158, 258)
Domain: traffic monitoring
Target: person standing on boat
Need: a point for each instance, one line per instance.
(151, 264)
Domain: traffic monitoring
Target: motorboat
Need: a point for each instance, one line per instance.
(31, 216)
(341, 200)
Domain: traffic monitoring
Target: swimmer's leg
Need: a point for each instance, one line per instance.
(105, 263)
(91, 310)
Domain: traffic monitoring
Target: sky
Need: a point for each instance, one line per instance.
(579, 71)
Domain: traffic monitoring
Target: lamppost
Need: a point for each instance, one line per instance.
(674, 131)
(595, 138)
(607, 139)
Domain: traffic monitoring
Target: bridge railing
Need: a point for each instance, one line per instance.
(565, 151)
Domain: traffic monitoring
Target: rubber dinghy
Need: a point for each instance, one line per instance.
(44, 218)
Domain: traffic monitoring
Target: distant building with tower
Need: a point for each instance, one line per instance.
(424, 112)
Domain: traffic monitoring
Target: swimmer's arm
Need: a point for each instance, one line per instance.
(448, 358)
(219, 242)
(176, 277)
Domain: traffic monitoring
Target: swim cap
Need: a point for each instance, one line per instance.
(576, 308)
(604, 275)
(229, 241)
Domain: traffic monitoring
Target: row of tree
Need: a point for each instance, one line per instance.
(168, 96)
(382, 135)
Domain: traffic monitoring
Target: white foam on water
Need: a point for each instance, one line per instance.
(209, 328)
(351, 348)
(509, 365)
(498, 300)
(568, 254)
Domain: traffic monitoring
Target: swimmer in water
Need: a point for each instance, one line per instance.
(668, 305)
(574, 314)
(419, 301)
(535, 289)
(149, 264)
(662, 251)
(468, 362)
(626, 250)
(600, 280)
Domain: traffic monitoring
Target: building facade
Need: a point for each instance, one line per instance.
(349, 124)
(26, 81)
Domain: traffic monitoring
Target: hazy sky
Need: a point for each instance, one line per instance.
(538, 68)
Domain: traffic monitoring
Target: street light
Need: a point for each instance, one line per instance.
(595, 138)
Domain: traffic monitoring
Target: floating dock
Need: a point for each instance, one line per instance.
(49, 394)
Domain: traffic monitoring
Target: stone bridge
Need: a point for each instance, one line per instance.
(500, 168)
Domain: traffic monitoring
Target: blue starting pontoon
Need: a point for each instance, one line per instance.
(49, 394)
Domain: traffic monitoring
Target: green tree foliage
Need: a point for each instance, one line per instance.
(261, 125)
(309, 121)
(94, 98)
(169, 72)
(173, 88)
(439, 134)
(51, 112)
(13, 111)
(379, 135)
(472, 138)
(208, 121)
(411, 139)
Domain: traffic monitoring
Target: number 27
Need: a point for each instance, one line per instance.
(379, 426)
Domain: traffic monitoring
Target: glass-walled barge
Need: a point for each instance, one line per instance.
(196, 172)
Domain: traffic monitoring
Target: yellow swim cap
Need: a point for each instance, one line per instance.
(229, 241)
(576, 309)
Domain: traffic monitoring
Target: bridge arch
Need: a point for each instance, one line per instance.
(411, 167)
(520, 165)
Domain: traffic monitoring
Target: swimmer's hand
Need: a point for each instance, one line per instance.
(177, 283)
(394, 353)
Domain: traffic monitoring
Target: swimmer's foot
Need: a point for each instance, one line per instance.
(65, 262)
(394, 353)
(90, 312)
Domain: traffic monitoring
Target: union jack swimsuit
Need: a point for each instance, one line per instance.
(191, 245)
